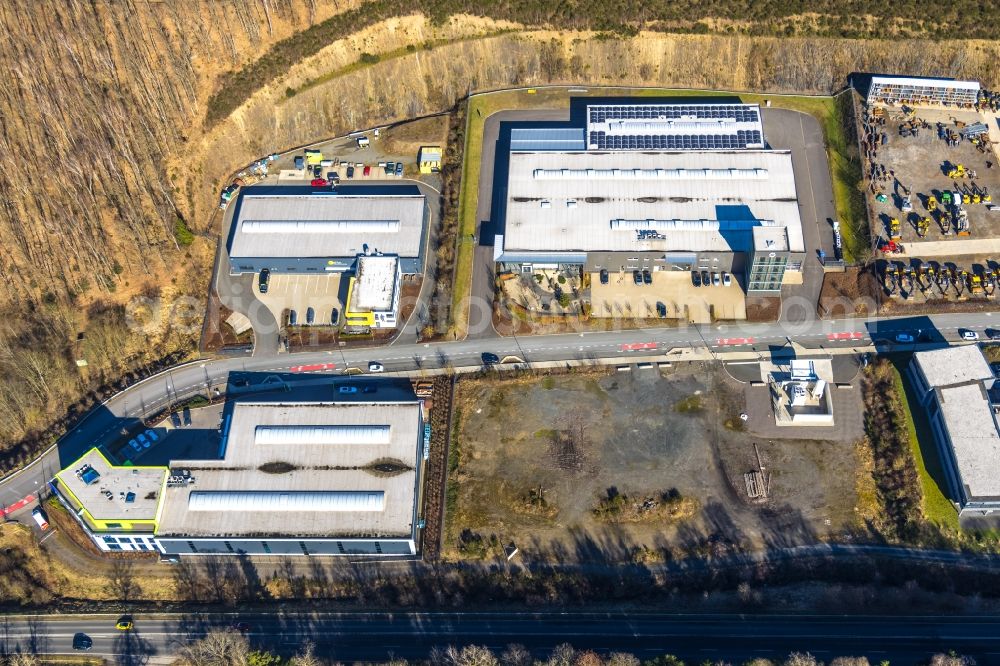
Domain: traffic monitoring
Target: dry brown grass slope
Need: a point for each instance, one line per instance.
(94, 98)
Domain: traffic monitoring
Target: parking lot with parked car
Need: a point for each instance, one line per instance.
(305, 300)
(697, 296)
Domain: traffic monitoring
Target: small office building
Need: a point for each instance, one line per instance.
(373, 293)
(429, 159)
(922, 91)
(118, 505)
(957, 388)
(288, 229)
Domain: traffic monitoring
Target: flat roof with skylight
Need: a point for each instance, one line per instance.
(375, 283)
(112, 493)
(318, 469)
(295, 222)
(972, 430)
(649, 201)
(953, 365)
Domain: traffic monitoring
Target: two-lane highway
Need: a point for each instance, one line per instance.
(155, 393)
(378, 636)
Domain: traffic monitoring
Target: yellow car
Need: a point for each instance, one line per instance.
(124, 624)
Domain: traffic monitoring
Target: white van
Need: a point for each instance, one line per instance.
(40, 518)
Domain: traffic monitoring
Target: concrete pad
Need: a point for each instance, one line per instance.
(239, 322)
(953, 248)
(621, 297)
(319, 291)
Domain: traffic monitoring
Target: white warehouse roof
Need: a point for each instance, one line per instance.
(304, 469)
(953, 365)
(961, 377)
(596, 201)
(968, 417)
(323, 223)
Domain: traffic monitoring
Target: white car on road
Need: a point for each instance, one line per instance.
(969, 335)
(375, 367)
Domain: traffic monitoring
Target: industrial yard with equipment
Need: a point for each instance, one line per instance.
(931, 174)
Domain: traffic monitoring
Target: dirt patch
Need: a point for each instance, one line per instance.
(407, 138)
(761, 308)
(620, 467)
(854, 292)
(216, 333)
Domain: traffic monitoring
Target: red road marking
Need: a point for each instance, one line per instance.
(735, 341)
(313, 367)
(636, 346)
(18, 505)
(843, 336)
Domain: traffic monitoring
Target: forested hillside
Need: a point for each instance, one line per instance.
(120, 120)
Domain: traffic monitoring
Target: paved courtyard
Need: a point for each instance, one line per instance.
(321, 292)
(621, 297)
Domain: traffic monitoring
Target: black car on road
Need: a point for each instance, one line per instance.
(490, 358)
(604, 276)
(82, 641)
(695, 278)
(647, 277)
(706, 279)
(265, 276)
(637, 277)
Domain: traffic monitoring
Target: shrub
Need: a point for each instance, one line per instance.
(182, 233)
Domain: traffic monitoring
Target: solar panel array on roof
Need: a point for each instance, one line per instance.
(674, 127)
(740, 113)
(736, 141)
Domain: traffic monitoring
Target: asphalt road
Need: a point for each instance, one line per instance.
(380, 636)
(147, 397)
(802, 135)
(484, 268)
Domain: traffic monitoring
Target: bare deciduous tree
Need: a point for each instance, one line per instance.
(516, 655)
(801, 659)
(217, 648)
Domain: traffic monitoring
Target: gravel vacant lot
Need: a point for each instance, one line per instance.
(536, 455)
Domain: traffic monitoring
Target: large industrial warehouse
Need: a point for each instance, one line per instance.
(957, 387)
(652, 186)
(303, 229)
(293, 477)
